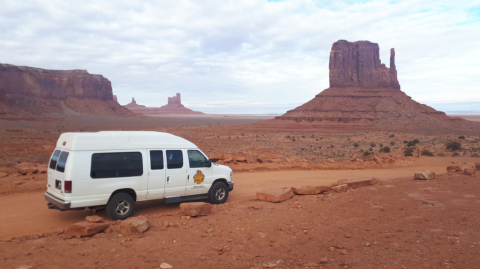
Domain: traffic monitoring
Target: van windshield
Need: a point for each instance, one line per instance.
(54, 159)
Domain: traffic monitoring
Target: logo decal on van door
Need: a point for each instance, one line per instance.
(199, 177)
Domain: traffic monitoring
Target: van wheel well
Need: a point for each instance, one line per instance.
(128, 191)
(221, 180)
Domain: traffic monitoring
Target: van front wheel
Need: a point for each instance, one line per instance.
(218, 193)
(120, 206)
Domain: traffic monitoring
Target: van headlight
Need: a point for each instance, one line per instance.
(231, 175)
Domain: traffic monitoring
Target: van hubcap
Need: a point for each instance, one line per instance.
(123, 207)
(220, 194)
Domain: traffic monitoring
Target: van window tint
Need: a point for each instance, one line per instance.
(174, 159)
(62, 160)
(156, 159)
(119, 164)
(196, 159)
(54, 159)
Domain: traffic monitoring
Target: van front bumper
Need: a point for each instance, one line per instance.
(230, 186)
(56, 203)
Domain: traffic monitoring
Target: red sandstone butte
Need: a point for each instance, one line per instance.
(174, 106)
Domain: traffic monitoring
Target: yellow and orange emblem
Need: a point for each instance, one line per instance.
(199, 177)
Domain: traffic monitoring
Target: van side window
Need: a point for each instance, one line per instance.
(196, 159)
(118, 164)
(62, 160)
(156, 159)
(174, 159)
(53, 160)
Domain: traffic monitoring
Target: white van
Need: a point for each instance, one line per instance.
(113, 170)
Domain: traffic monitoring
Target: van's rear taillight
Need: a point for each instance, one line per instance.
(68, 187)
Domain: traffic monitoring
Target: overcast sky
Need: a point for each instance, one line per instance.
(249, 56)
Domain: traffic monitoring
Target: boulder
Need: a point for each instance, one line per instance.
(340, 188)
(309, 190)
(477, 166)
(469, 171)
(3, 174)
(196, 209)
(217, 157)
(357, 183)
(453, 168)
(85, 229)
(275, 196)
(26, 168)
(240, 159)
(94, 219)
(425, 175)
(134, 225)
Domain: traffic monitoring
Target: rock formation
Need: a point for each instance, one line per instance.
(365, 95)
(174, 106)
(38, 91)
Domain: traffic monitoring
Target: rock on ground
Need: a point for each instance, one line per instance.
(309, 190)
(469, 171)
(453, 168)
(357, 183)
(275, 196)
(85, 228)
(425, 175)
(94, 219)
(134, 225)
(196, 209)
(166, 265)
(340, 188)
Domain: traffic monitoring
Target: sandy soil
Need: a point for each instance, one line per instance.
(399, 223)
(472, 117)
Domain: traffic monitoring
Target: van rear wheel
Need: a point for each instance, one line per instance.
(218, 193)
(120, 206)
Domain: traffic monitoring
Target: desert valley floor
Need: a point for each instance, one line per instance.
(398, 222)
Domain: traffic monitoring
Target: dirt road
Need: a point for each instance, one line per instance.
(27, 213)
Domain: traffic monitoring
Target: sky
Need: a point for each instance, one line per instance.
(249, 56)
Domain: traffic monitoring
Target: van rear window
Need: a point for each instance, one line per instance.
(62, 160)
(54, 159)
(118, 164)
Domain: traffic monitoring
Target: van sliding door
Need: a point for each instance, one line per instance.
(156, 174)
(176, 173)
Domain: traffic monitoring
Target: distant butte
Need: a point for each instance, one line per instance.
(174, 106)
(364, 94)
(41, 91)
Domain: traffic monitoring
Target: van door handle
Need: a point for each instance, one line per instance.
(188, 178)
(168, 179)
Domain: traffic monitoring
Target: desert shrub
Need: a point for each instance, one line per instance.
(287, 136)
(475, 155)
(426, 152)
(373, 145)
(416, 141)
(405, 141)
(303, 136)
(410, 144)
(461, 137)
(316, 139)
(331, 146)
(441, 155)
(355, 145)
(453, 146)
(313, 136)
(392, 143)
(392, 135)
(455, 154)
(408, 152)
(293, 139)
(381, 145)
(385, 149)
(367, 153)
(243, 134)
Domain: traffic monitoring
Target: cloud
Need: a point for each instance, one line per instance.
(260, 55)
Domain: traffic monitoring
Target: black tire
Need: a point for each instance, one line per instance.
(218, 193)
(120, 206)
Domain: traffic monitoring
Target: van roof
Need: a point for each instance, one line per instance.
(114, 140)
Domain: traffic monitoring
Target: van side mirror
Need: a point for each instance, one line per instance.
(208, 163)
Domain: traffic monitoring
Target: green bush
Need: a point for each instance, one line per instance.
(453, 146)
(367, 153)
(392, 143)
(355, 145)
(408, 152)
(392, 135)
(416, 141)
(373, 145)
(461, 137)
(410, 144)
(385, 149)
(426, 152)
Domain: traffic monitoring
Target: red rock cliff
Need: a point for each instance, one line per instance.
(357, 64)
(53, 84)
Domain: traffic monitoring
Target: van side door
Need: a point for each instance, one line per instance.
(176, 173)
(199, 178)
(156, 174)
